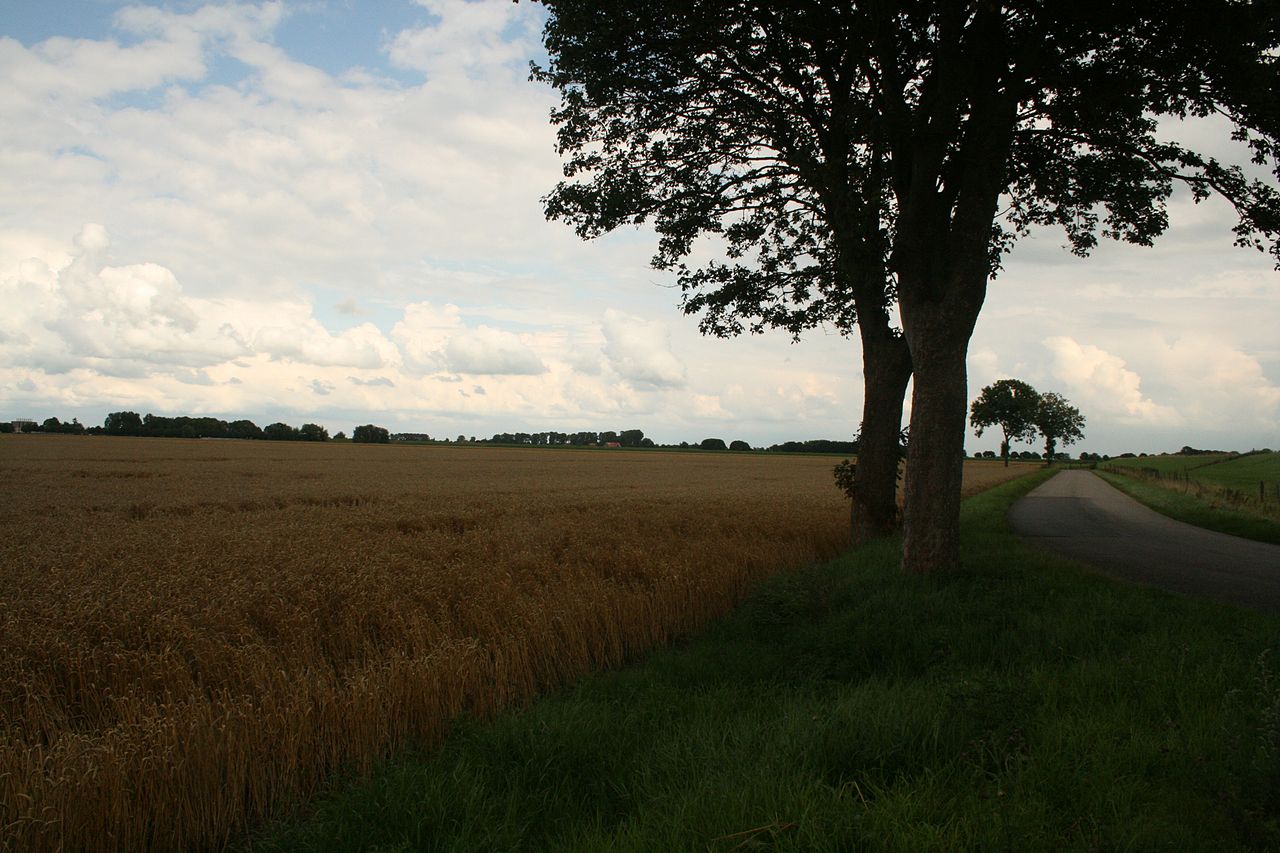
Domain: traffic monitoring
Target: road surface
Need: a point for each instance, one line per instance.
(1080, 515)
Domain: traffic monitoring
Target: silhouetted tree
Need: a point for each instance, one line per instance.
(1010, 404)
(243, 429)
(631, 437)
(280, 432)
(370, 434)
(123, 423)
(848, 152)
(1057, 420)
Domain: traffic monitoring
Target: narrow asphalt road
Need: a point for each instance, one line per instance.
(1078, 514)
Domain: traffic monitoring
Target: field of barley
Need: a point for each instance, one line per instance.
(194, 634)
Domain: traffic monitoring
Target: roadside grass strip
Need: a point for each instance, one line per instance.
(1203, 512)
(1022, 703)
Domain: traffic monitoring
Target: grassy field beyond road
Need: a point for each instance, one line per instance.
(1239, 495)
(1242, 472)
(1206, 513)
(1022, 704)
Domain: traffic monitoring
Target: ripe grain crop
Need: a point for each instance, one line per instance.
(193, 634)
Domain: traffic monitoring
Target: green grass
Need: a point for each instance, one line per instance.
(1243, 472)
(1211, 515)
(1170, 463)
(1240, 472)
(1021, 704)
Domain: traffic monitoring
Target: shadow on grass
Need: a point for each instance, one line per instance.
(1020, 703)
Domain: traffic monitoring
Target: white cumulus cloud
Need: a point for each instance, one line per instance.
(1102, 382)
(437, 340)
(640, 351)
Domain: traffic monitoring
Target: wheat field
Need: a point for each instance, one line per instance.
(193, 634)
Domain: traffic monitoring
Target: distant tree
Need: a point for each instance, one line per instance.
(646, 442)
(123, 423)
(370, 434)
(739, 445)
(6, 426)
(1057, 420)
(313, 432)
(51, 425)
(713, 444)
(280, 432)
(340, 436)
(1010, 404)
(631, 437)
(243, 429)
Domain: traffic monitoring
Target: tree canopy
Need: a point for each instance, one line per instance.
(371, 434)
(1010, 404)
(1057, 420)
(842, 154)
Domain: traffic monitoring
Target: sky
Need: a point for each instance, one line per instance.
(329, 211)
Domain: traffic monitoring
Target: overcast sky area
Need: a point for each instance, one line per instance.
(329, 212)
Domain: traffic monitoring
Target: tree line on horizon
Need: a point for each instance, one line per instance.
(128, 423)
(183, 426)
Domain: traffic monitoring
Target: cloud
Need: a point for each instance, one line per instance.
(1101, 382)
(304, 339)
(438, 340)
(491, 351)
(136, 319)
(381, 380)
(640, 351)
(466, 38)
(1217, 382)
(350, 307)
(86, 309)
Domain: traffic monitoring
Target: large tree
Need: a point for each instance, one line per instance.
(1057, 420)
(848, 153)
(1010, 404)
(710, 124)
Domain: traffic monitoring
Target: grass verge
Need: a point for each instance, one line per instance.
(1195, 510)
(1019, 704)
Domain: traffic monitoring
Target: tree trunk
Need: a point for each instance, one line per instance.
(931, 518)
(886, 368)
(938, 318)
